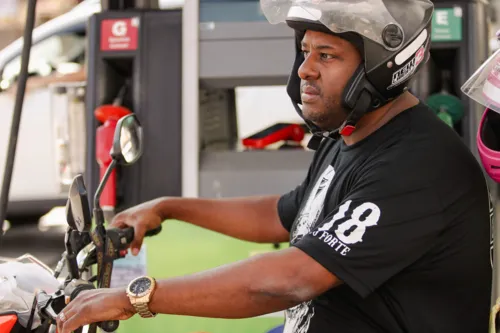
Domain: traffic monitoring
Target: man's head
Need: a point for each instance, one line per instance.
(329, 63)
(377, 46)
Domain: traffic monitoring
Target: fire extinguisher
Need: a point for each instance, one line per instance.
(108, 115)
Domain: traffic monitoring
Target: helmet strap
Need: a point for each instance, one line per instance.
(362, 106)
(361, 97)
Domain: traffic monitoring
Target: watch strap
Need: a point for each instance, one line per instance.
(143, 310)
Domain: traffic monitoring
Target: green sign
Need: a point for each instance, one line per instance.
(447, 25)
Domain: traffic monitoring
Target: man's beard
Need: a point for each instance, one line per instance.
(333, 114)
(330, 118)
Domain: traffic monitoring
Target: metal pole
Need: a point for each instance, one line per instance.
(16, 115)
(190, 99)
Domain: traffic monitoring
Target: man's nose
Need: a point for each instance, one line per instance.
(308, 71)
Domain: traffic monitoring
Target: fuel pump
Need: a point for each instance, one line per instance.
(108, 115)
(134, 66)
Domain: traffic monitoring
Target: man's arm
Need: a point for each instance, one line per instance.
(254, 219)
(263, 284)
(260, 219)
(259, 285)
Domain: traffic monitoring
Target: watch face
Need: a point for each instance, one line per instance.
(140, 285)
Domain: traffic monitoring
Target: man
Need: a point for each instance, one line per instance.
(390, 230)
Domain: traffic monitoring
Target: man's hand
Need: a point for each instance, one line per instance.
(95, 306)
(143, 217)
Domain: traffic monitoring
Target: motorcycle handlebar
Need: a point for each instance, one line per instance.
(129, 233)
(45, 302)
(125, 237)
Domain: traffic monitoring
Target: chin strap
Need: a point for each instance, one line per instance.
(317, 133)
(348, 126)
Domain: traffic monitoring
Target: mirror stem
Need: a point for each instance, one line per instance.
(104, 180)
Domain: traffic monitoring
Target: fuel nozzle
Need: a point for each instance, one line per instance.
(108, 115)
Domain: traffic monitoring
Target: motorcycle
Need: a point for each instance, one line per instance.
(31, 294)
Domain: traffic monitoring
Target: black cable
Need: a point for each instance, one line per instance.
(16, 116)
(32, 315)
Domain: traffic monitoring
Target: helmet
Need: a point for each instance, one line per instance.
(393, 37)
(484, 87)
(488, 143)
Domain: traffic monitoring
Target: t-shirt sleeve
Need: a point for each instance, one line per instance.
(289, 203)
(384, 224)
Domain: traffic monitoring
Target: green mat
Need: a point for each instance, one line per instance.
(181, 249)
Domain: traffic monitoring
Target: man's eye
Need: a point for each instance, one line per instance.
(305, 53)
(327, 56)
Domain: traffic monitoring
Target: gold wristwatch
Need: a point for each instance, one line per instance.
(139, 291)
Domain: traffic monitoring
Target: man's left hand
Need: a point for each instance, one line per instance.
(94, 306)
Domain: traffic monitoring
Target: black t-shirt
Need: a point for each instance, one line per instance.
(403, 219)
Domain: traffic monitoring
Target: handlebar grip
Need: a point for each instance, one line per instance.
(153, 232)
(129, 233)
(109, 326)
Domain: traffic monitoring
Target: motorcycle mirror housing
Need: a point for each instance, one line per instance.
(127, 149)
(77, 206)
(127, 141)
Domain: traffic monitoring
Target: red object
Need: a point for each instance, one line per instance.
(7, 322)
(273, 134)
(109, 116)
(347, 130)
(120, 34)
(123, 253)
(419, 56)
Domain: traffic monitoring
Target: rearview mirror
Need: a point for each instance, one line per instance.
(77, 206)
(127, 142)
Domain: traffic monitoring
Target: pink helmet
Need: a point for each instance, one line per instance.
(488, 143)
(484, 87)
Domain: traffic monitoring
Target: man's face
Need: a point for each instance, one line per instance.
(329, 63)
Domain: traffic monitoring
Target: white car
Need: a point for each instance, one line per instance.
(57, 55)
